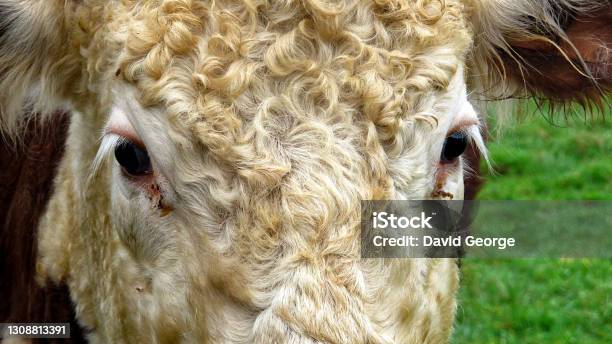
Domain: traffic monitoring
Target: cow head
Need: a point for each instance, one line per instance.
(219, 150)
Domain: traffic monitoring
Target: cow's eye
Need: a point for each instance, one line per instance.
(134, 160)
(454, 146)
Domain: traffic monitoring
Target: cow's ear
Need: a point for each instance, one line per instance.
(36, 67)
(555, 50)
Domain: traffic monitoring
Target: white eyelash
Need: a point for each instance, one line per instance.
(475, 137)
(107, 145)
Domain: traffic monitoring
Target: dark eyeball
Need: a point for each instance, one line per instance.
(133, 159)
(454, 146)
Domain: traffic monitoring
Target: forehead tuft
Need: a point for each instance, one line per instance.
(216, 65)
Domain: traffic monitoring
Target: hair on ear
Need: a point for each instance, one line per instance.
(35, 64)
(559, 51)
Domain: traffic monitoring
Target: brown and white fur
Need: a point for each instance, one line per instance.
(267, 122)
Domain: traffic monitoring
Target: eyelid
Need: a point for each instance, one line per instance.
(464, 125)
(118, 124)
(126, 134)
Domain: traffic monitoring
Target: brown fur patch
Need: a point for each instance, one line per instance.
(557, 52)
(577, 70)
(26, 175)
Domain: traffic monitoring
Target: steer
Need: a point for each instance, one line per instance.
(218, 151)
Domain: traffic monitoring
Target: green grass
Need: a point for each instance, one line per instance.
(542, 300)
(535, 301)
(535, 159)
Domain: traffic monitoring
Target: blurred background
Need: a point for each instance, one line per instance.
(539, 157)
